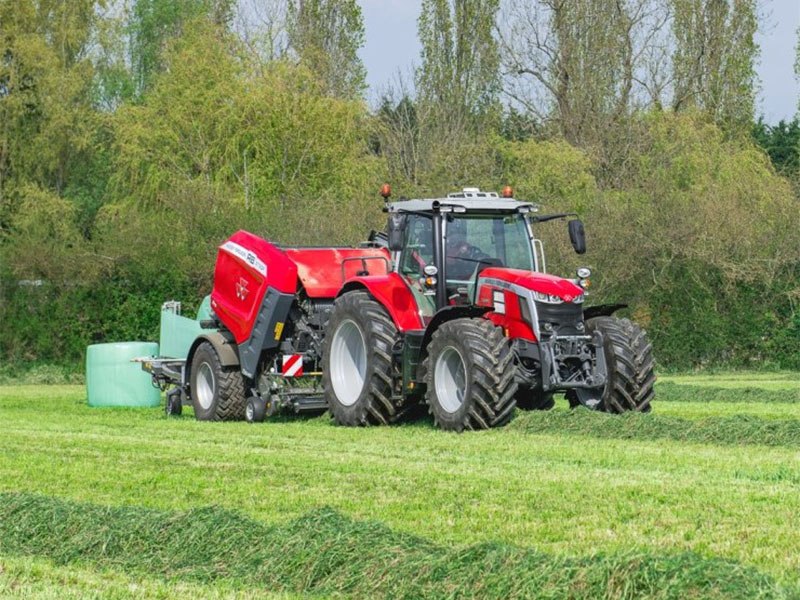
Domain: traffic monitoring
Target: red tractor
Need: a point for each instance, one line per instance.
(450, 307)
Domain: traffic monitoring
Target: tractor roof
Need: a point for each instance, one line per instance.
(471, 199)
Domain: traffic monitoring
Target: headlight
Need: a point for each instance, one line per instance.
(547, 298)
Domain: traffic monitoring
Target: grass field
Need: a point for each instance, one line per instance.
(703, 491)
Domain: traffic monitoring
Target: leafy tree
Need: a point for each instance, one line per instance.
(266, 138)
(460, 60)
(583, 64)
(326, 36)
(714, 58)
(154, 22)
(46, 119)
(781, 142)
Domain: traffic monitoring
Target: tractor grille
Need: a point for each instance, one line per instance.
(565, 318)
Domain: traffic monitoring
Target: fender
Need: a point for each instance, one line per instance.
(393, 293)
(448, 314)
(225, 346)
(602, 310)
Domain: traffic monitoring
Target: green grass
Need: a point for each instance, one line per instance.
(32, 577)
(724, 430)
(567, 497)
(325, 552)
(750, 388)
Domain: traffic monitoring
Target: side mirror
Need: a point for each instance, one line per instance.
(577, 236)
(396, 227)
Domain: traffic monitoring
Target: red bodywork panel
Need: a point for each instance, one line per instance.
(539, 282)
(246, 266)
(393, 293)
(323, 271)
(512, 320)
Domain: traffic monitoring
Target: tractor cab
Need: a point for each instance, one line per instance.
(442, 246)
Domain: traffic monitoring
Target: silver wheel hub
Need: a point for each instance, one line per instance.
(348, 364)
(450, 379)
(206, 385)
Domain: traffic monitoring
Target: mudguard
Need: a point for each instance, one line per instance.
(448, 314)
(602, 310)
(225, 347)
(393, 293)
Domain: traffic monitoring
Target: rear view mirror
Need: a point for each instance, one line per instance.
(396, 227)
(577, 236)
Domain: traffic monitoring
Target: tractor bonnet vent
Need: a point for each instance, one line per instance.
(472, 193)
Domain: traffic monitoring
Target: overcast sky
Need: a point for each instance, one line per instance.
(392, 48)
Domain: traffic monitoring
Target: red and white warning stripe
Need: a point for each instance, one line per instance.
(292, 365)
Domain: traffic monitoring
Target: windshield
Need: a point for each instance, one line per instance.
(474, 240)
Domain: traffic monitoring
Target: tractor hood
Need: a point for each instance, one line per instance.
(537, 282)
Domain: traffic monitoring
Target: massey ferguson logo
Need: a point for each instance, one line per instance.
(241, 289)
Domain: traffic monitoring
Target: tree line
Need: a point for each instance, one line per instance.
(136, 135)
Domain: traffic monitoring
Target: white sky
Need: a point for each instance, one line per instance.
(392, 48)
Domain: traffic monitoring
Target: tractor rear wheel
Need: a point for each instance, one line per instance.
(217, 392)
(357, 362)
(470, 376)
(630, 366)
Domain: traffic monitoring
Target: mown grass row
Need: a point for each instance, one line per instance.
(327, 553)
(668, 391)
(728, 430)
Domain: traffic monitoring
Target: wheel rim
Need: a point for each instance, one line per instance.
(450, 375)
(249, 412)
(348, 362)
(205, 386)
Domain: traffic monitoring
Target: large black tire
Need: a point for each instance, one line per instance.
(534, 400)
(470, 375)
(217, 392)
(357, 362)
(631, 369)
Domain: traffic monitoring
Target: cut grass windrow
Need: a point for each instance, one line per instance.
(668, 391)
(327, 553)
(730, 430)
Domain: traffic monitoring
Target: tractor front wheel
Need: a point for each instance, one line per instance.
(630, 369)
(217, 392)
(357, 362)
(470, 376)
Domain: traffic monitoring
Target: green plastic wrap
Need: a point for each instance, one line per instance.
(177, 334)
(113, 380)
(204, 312)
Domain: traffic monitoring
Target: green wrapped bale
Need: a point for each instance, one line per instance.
(113, 380)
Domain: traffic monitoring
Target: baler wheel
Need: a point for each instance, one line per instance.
(631, 369)
(470, 375)
(357, 362)
(256, 410)
(174, 405)
(217, 392)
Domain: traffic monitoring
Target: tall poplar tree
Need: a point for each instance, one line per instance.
(714, 58)
(154, 22)
(460, 58)
(326, 36)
